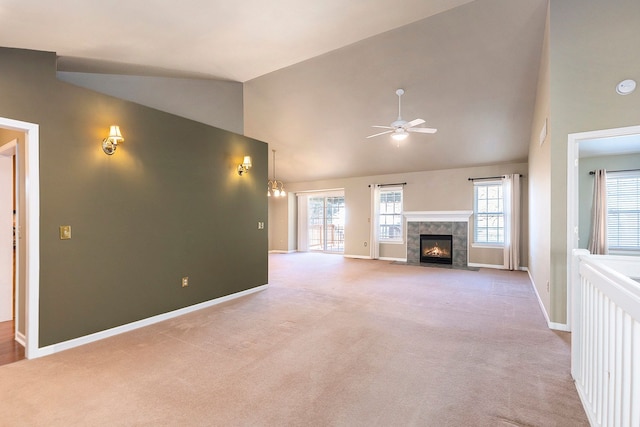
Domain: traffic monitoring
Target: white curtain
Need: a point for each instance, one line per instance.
(374, 250)
(511, 197)
(598, 239)
(303, 234)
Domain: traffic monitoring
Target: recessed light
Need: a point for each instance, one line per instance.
(625, 87)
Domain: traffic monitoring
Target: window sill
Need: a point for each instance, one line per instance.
(487, 245)
(391, 242)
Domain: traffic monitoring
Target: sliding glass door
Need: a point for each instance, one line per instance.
(325, 223)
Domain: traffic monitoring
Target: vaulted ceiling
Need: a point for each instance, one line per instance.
(318, 75)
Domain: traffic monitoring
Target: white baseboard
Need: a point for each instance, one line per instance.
(552, 325)
(22, 340)
(66, 345)
(392, 259)
(281, 252)
(496, 266)
(357, 256)
(559, 327)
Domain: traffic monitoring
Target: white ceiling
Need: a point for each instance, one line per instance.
(236, 40)
(319, 74)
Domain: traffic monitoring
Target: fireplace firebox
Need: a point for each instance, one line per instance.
(436, 248)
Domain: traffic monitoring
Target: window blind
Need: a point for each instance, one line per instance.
(623, 210)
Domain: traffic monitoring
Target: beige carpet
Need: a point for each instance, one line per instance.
(332, 342)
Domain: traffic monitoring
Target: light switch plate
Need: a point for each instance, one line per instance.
(65, 232)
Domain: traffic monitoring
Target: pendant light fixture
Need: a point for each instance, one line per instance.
(275, 187)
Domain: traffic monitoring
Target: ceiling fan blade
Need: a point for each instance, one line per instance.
(382, 127)
(381, 133)
(423, 130)
(413, 123)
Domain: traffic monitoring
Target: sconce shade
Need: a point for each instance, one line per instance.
(245, 165)
(110, 143)
(114, 133)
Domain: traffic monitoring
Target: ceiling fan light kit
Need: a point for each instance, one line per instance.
(399, 129)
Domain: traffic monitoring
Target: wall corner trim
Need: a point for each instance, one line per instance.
(76, 342)
(550, 324)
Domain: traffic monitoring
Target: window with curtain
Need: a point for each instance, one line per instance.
(390, 215)
(488, 213)
(623, 210)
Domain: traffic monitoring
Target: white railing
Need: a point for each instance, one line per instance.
(605, 342)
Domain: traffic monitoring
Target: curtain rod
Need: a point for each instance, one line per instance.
(489, 177)
(625, 170)
(389, 185)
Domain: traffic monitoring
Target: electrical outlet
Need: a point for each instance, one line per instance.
(260, 225)
(185, 282)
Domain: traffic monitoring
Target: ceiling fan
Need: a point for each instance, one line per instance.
(400, 129)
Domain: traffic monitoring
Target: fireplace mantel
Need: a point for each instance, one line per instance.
(442, 216)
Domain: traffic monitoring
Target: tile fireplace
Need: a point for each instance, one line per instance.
(425, 229)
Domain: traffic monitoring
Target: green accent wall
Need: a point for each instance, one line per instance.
(169, 203)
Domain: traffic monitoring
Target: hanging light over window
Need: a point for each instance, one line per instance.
(275, 187)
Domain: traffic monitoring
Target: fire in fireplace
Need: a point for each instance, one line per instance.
(436, 248)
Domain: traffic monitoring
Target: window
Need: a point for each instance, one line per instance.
(489, 213)
(623, 210)
(390, 215)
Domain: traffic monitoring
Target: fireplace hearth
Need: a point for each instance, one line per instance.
(436, 248)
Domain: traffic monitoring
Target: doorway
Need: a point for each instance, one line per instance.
(27, 217)
(11, 347)
(606, 142)
(325, 223)
(321, 221)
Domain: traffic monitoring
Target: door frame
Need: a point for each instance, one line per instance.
(30, 230)
(573, 156)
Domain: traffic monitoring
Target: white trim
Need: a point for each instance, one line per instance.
(31, 231)
(559, 326)
(392, 259)
(552, 325)
(21, 339)
(496, 266)
(282, 252)
(76, 342)
(329, 190)
(357, 256)
(433, 216)
(573, 156)
(487, 246)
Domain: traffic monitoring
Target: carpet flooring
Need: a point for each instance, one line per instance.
(331, 342)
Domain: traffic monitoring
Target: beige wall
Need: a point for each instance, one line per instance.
(593, 46)
(443, 190)
(539, 184)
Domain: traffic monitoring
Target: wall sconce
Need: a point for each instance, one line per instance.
(110, 143)
(245, 165)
